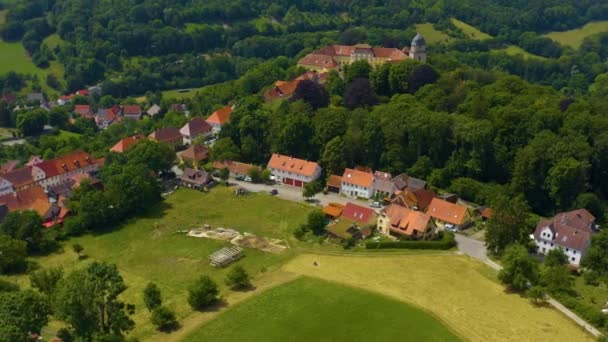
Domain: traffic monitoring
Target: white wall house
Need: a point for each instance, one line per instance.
(293, 171)
(357, 183)
(546, 242)
(6, 187)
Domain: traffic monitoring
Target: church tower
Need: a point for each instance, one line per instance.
(418, 48)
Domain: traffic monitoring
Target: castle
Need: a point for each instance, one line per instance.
(335, 56)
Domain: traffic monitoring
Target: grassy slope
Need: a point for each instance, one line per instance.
(460, 291)
(575, 37)
(431, 35)
(149, 249)
(313, 310)
(3, 16)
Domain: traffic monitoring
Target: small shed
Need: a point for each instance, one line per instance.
(226, 256)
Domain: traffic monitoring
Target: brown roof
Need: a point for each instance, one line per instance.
(234, 167)
(125, 143)
(333, 209)
(357, 213)
(295, 165)
(166, 134)
(195, 127)
(318, 77)
(32, 198)
(282, 89)
(195, 152)
(572, 229)
(198, 177)
(446, 211)
(334, 181)
(131, 110)
(325, 57)
(403, 181)
(357, 177)
(220, 116)
(406, 221)
(20, 177)
(84, 110)
(315, 59)
(66, 163)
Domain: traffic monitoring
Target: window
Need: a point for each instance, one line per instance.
(567, 250)
(572, 258)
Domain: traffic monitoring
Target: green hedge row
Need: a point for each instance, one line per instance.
(446, 242)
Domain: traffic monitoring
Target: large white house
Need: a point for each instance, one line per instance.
(357, 183)
(571, 231)
(293, 171)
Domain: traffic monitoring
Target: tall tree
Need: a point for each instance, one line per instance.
(311, 93)
(24, 225)
(596, 258)
(359, 93)
(355, 70)
(334, 156)
(12, 257)
(508, 224)
(152, 296)
(566, 180)
(156, 157)
(22, 313)
(202, 293)
(519, 269)
(46, 280)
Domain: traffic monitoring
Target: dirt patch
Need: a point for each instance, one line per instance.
(264, 244)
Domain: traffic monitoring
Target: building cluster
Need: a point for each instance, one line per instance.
(44, 185)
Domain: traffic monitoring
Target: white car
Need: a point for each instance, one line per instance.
(450, 227)
(247, 179)
(375, 204)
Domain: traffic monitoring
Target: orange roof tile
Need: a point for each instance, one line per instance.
(125, 143)
(406, 221)
(333, 209)
(295, 165)
(220, 116)
(32, 198)
(446, 211)
(357, 177)
(334, 181)
(234, 167)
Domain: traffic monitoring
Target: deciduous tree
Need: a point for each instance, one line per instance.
(202, 293)
(519, 269)
(152, 297)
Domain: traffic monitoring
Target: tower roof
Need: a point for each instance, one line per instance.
(418, 40)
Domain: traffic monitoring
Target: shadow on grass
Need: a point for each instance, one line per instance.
(156, 212)
(215, 307)
(170, 328)
(248, 288)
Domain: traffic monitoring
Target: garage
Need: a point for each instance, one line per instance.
(288, 181)
(297, 183)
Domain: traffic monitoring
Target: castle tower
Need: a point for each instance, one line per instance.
(418, 48)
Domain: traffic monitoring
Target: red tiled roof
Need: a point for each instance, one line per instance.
(125, 143)
(234, 166)
(295, 165)
(83, 92)
(166, 134)
(32, 198)
(220, 116)
(195, 127)
(446, 211)
(572, 229)
(357, 177)
(406, 221)
(195, 152)
(131, 110)
(357, 213)
(282, 89)
(20, 177)
(71, 161)
(320, 77)
(84, 110)
(334, 181)
(8, 166)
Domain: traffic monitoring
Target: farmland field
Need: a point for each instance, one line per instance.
(309, 309)
(462, 292)
(469, 30)
(575, 37)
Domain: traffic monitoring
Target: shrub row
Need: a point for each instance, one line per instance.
(446, 242)
(588, 312)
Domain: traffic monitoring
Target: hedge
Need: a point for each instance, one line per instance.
(446, 242)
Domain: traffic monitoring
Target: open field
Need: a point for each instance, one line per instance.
(431, 35)
(150, 249)
(3, 14)
(469, 30)
(460, 291)
(309, 309)
(514, 50)
(575, 37)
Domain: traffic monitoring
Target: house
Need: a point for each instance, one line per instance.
(195, 179)
(125, 143)
(8, 98)
(107, 116)
(194, 154)
(345, 230)
(65, 99)
(194, 128)
(219, 118)
(168, 135)
(33, 198)
(154, 110)
(131, 112)
(8, 166)
(383, 186)
(336, 56)
(35, 97)
(6, 187)
(333, 210)
(236, 169)
(317, 77)
(395, 220)
(34, 160)
(404, 181)
(21, 178)
(357, 183)
(571, 231)
(445, 213)
(281, 90)
(416, 200)
(358, 214)
(61, 169)
(83, 110)
(484, 212)
(83, 92)
(293, 171)
(334, 183)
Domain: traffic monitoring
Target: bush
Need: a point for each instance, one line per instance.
(202, 293)
(588, 312)
(238, 278)
(163, 319)
(446, 242)
(152, 297)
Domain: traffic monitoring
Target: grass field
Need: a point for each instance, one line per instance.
(309, 309)
(460, 291)
(65, 135)
(431, 35)
(150, 249)
(575, 37)
(514, 50)
(3, 14)
(53, 41)
(469, 30)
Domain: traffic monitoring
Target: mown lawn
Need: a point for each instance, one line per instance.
(469, 30)
(431, 35)
(462, 292)
(309, 309)
(151, 249)
(575, 37)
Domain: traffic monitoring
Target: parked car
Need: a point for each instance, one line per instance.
(247, 179)
(274, 192)
(450, 227)
(239, 178)
(375, 204)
